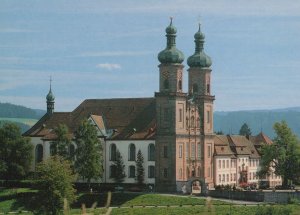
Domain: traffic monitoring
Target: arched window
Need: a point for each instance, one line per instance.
(72, 150)
(53, 149)
(151, 171)
(180, 85)
(113, 151)
(131, 153)
(39, 153)
(195, 88)
(166, 84)
(131, 171)
(151, 152)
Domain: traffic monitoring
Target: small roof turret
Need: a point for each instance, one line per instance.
(171, 54)
(199, 58)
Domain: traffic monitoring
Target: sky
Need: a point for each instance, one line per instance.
(108, 49)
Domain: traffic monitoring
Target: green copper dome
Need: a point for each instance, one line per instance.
(50, 96)
(199, 58)
(171, 54)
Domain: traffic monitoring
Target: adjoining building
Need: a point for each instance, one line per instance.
(173, 129)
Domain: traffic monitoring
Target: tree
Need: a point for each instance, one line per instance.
(118, 168)
(88, 163)
(140, 171)
(245, 130)
(15, 152)
(283, 155)
(56, 184)
(60, 146)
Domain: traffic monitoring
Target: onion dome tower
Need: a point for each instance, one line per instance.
(50, 100)
(171, 55)
(199, 58)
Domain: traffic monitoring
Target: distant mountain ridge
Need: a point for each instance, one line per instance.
(8, 110)
(258, 120)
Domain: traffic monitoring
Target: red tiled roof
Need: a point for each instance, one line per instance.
(132, 118)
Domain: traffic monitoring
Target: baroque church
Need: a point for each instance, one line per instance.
(173, 129)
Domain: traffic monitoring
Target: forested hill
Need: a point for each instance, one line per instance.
(257, 120)
(8, 110)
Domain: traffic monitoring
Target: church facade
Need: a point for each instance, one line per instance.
(173, 129)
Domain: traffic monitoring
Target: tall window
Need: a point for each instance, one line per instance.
(199, 171)
(209, 151)
(131, 153)
(166, 84)
(166, 114)
(180, 173)
(180, 115)
(208, 88)
(112, 171)
(180, 85)
(219, 164)
(151, 152)
(223, 164)
(227, 177)
(165, 172)
(131, 172)
(165, 151)
(220, 178)
(227, 163)
(151, 172)
(199, 150)
(195, 88)
(38, 153)
(180, 151)
(192, 121)
(193, 150)
(187, 150)
(208, 116)
(113, 151)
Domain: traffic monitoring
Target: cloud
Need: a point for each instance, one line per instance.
(108, 66)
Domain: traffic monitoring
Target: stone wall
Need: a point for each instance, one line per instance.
(259, 196)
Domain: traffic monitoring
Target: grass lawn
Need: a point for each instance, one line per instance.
(203, 210)
(23, 199)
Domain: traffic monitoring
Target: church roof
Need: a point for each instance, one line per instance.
(128, 118)
(260, 139)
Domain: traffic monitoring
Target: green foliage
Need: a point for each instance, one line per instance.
(56, 184)
(15, 152)
(140, 171)
(60, 146)
(245, 130)
(283, 155)
(119, 168)
(273, 210)
(88, 163)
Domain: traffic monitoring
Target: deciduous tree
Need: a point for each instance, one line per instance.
(88, 163)
(15, 152)
(60, 146)
(56, 184)
(283, 155)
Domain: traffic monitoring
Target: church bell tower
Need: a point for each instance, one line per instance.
(50, 100)
(170, 106)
